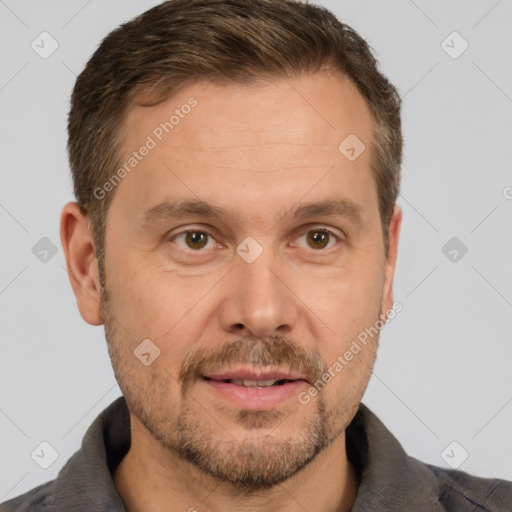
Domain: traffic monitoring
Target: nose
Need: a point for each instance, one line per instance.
(257, 300)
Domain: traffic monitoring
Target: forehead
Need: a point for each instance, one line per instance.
(316, 109)
(282, 136)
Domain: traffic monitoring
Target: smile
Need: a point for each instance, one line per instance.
(250, 389)
(254, 383)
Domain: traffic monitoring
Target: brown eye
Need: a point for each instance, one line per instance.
(318, 239)
(196, 239)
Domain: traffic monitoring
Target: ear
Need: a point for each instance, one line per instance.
(394, 234)
(82, 265)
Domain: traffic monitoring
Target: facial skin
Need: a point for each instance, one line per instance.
(259, 153)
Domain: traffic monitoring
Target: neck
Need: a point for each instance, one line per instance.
(152, 478)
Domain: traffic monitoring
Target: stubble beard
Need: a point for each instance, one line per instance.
(252, 464)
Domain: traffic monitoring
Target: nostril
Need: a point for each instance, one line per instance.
(239, 326)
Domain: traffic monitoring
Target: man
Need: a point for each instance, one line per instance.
(236, 165)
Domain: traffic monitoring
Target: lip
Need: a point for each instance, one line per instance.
(251, 374)
(255, 398)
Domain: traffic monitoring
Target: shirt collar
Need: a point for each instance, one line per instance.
(390, 479)
(85, 483)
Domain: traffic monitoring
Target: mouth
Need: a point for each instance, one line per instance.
(254, 383)
(251, 390)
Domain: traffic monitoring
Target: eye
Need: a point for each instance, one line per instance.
(194, 239)
(318, 238)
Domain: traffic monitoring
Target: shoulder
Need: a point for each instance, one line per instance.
(393, 480)
(459, 490)
(38, 499)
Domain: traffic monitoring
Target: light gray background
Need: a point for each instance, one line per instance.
(443, 370)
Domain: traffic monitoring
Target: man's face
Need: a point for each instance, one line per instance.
(247, 247)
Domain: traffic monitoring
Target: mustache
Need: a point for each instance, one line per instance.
(271, 351)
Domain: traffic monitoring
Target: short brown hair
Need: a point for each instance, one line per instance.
(180, 42)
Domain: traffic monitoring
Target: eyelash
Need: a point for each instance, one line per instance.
(331, 234)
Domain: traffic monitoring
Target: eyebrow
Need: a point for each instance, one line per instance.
(173, 210)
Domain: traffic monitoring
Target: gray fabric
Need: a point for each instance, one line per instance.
(390, 479)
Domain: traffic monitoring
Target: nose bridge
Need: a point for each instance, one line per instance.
(259, 278)
(258, 300)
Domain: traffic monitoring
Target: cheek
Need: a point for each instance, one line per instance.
(350, 354)
(350, 373)
(350, 307)
(350, 298)
(157, 304)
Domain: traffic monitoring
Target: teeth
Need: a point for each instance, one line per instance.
(254, 383)
(265, 383)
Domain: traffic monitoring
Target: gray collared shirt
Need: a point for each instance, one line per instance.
(390, 479)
